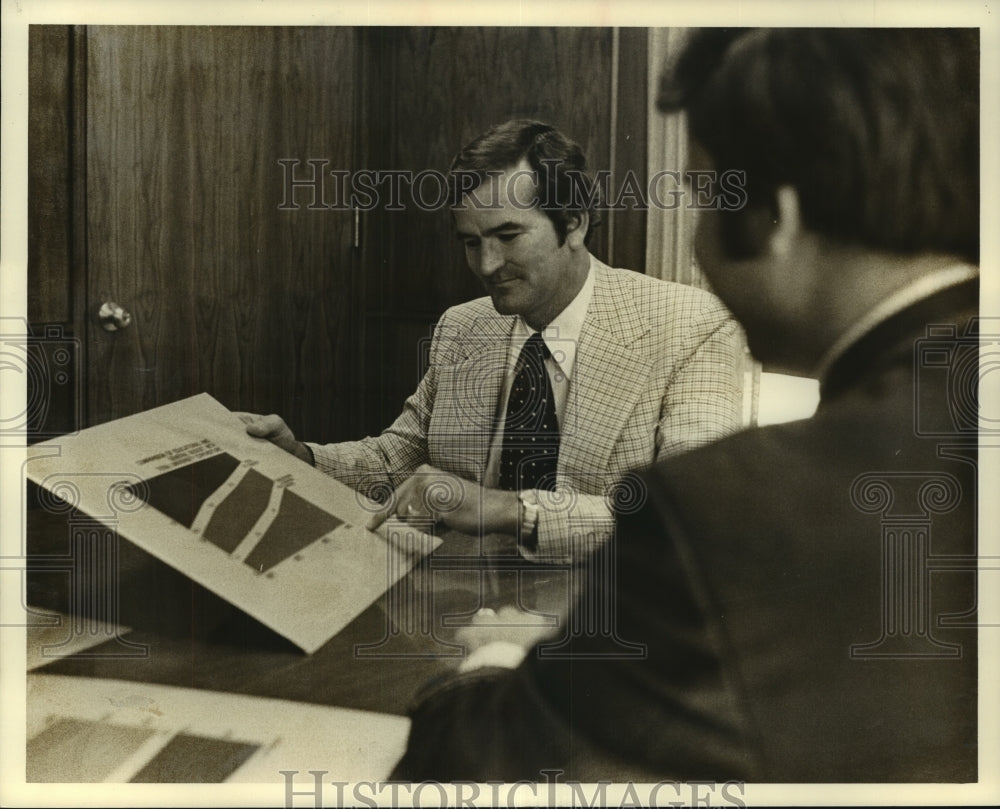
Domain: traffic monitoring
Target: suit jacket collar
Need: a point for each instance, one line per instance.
(607, 378)
(895, 339)
(613, 311)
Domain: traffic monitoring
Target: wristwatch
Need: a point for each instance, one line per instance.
(529, 519)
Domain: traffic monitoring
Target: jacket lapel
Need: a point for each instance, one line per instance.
(467, 401)
(607, 378)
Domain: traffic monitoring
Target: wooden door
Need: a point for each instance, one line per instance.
(230, 289)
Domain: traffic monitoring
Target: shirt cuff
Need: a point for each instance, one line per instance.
(498, 653)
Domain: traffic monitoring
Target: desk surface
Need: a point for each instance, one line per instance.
(182, 635)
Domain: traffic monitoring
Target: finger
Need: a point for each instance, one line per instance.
(474, 634)
(265, 426)
(512, 615)
(412, 512)
(403, 499)
(378, 518)
(484, 617)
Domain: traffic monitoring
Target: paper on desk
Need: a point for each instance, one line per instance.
(88, 730)
(52, 635)
(270, 534)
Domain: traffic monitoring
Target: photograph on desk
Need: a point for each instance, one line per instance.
(545, 407)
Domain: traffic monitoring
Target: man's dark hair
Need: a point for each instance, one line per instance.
(559, 165)
(877, 130)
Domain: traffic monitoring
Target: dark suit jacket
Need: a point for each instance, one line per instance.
(804, 593)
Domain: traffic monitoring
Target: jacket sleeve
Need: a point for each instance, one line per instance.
(376, 466)
(571, 525)
(704, 400)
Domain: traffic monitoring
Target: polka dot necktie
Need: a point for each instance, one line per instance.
(530, 449)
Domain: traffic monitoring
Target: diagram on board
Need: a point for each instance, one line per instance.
(274, 536)
(236, 508)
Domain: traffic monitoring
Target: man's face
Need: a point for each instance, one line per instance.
(752, 288)
(513, 248)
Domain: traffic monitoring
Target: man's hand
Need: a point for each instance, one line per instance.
(509, 625)
(274, 429)
(431, 493)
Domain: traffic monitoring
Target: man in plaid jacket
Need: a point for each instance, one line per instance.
(639, 368)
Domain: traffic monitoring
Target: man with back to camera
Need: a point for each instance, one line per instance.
(627, 368)
(780, 578)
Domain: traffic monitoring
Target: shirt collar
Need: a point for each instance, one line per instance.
(562, 335)
(901, 299)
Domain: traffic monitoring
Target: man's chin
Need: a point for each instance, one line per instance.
(505, 304)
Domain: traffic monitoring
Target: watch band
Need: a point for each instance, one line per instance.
(529, 519)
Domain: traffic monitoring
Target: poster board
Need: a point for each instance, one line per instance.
(275, 537)
(87, 730)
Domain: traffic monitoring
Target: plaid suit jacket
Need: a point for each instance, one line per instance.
(658, 370)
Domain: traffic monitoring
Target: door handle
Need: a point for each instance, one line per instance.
(113, 317)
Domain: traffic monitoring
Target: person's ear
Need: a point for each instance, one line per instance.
(576, 229)
(786, 227)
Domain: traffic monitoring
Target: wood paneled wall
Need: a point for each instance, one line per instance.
(434, 89)
(171, 141)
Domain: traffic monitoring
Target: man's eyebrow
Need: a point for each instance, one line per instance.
(497, 229)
